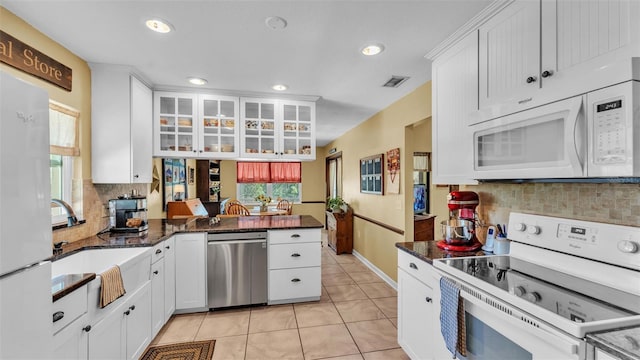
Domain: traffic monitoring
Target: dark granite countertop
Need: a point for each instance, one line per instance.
(161, 229)
(428, 250)
(621, 343)
(65, 284)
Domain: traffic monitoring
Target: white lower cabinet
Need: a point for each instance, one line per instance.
(157, 296)
(138, 322)
(72, 342)
(191, 271)
(415, 316)
(419, 309)
(126, 331)
(294, 258)
(169, 278)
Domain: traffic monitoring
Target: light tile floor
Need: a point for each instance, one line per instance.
(355, 319)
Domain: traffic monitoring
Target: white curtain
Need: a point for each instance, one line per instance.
(420, 162)
(63, 130)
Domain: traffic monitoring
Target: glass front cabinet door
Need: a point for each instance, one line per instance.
(191, 125)
(298, 135)
(175, 124)
(258, 128)
(218, 120)
(277, 129)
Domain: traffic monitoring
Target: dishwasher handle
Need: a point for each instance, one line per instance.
(213, 242)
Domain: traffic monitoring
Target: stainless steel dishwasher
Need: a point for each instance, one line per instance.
(236, 269)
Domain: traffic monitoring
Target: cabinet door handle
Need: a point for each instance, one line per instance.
(295, 235)
(58, 315)
(158, 251)
(531, 79)
(547, 73)
(127, 312)
(167, 247)
(136, 176)
(87, 328)
(156, 272)
(428, 299)
(295, 255)
(295, 280)
(413, 266)
(132, 307)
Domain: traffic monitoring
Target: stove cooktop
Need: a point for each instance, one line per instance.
(567, 296)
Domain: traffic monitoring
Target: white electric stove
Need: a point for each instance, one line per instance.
(563, 279)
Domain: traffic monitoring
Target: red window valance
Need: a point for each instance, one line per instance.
(265, 172)
(286, 172)
(253, 172)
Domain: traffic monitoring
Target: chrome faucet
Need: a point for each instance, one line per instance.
(71, 216)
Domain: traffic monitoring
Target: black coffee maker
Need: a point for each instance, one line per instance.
(128, 215)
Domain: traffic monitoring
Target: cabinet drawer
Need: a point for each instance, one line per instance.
(285, 284)
(282, 256)
(418, 268)
(158, 252)
(69, 308)
(294, 236)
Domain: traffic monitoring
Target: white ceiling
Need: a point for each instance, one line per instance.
(228, 43)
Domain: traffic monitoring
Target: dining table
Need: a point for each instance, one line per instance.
(271, 210)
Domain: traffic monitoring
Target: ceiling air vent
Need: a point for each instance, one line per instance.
(395, 81)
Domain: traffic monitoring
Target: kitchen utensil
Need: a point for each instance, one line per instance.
(501, 245)
(457, 231)
(489, 241)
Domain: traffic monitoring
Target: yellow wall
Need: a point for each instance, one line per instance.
(80, 96)
(382, 132)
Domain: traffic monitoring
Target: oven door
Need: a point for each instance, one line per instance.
(496, 330)
(544, 142)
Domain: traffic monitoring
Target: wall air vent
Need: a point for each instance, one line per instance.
(395, 81)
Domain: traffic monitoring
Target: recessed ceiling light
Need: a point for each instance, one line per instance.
(372, 49)
(159, 25)
(280, 87)
(197, 81)
(275, 22)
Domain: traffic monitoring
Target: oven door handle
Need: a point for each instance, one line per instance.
(516, 319)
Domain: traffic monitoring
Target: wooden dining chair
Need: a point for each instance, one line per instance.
(237, 209)
(229, 203)
(285, 205)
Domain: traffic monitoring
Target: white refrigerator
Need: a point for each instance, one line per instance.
(26, 319)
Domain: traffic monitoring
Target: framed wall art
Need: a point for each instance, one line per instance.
(174, 176)
(372, 174)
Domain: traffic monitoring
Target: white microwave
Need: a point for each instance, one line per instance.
(593, 135)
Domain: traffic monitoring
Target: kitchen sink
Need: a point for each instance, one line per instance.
(134, 263)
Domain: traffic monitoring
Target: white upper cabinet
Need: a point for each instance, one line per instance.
(121, 116)
(455, 100)
(536, 52)
(225, 127)
(277, 129)
(510, 56)
(258, 127)
(218, 126)
(175, 125)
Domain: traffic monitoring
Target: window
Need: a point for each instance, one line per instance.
(275, 180)
(61, 168)
(63, 140)
(247, 192)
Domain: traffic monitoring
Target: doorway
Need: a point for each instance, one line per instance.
(334, 175)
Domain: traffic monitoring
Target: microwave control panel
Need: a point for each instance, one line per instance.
(609, 132)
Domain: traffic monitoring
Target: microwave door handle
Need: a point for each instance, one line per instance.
(575, 115)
